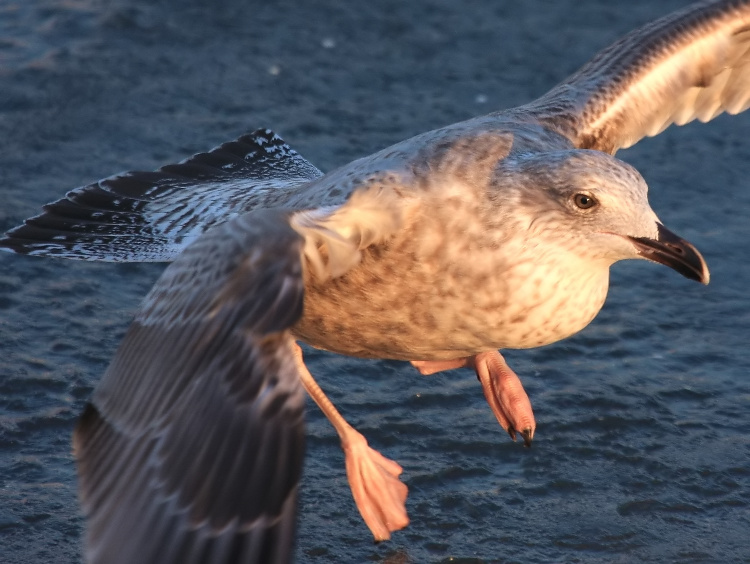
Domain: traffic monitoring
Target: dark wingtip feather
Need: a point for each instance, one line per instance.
(150, 216)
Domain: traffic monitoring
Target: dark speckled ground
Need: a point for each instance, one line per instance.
(643, 445)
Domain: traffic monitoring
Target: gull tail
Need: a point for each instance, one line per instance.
(152, 216)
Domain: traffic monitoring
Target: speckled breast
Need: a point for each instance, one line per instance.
(434, 298)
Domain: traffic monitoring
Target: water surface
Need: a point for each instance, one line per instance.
(643, 446)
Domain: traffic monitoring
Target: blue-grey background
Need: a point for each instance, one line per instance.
(642, 449)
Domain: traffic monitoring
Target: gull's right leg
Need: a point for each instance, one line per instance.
(379, 494)
(502, 390)
(505, 395)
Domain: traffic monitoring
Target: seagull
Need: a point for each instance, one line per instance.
(493, 233)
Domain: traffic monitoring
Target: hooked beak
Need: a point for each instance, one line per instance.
(674, 252)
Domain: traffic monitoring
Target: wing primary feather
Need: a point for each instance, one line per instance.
(191, 448)
(145, 216)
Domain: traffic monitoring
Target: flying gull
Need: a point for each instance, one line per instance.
(493, 233)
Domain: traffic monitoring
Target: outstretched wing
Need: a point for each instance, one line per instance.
(692, 64)
(192, 446)
(153, 216)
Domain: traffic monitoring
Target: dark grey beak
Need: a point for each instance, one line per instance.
(674, 252)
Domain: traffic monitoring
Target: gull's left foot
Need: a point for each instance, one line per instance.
(374, 479)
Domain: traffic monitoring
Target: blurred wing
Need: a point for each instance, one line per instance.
(692, 64)
(153, 216)
(192, 447)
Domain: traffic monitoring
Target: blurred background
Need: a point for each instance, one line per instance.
(642, 449)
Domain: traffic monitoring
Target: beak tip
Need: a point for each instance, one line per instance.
(674, 252)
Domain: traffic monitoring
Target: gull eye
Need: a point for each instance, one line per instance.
(584, 201)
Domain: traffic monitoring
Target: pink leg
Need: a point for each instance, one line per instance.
(506, 396)
(502, 389)
(427, 367)
(379, 494)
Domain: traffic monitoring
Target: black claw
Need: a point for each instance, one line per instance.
(528, 435)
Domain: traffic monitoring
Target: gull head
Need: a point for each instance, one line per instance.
(593, 206)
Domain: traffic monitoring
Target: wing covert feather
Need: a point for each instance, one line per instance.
(692, 64)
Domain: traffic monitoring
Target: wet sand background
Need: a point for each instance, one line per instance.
(643, 445)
